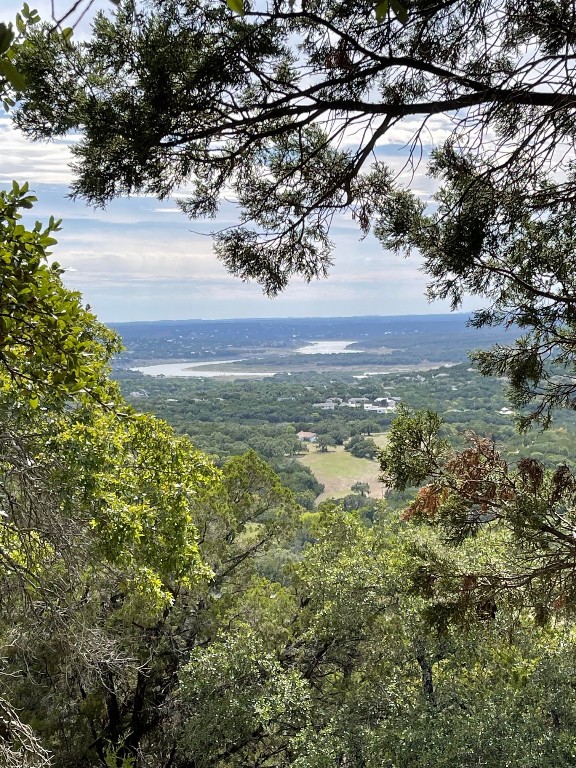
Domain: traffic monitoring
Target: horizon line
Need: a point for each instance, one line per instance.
(290, 317)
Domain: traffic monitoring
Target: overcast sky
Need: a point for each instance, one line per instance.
(143, 260)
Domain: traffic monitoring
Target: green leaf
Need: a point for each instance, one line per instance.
(237, 6)
(400, 11)
(6, 37)
(382, 10)
(15, 78)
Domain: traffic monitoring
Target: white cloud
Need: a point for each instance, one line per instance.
(34, 162)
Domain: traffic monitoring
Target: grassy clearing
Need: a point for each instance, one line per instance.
(338, 471)
(380, 438)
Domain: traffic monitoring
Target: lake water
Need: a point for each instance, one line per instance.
(190, 369)
(327, 348)
(198, 369)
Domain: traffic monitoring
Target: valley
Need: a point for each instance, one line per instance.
(254, 385)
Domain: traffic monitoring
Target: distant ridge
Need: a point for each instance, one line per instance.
(304, 318)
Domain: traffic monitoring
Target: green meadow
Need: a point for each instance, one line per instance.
(338, 470)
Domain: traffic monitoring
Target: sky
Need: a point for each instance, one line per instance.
(142, 259)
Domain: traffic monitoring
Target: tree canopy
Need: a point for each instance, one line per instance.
(50, 343)
(174, 92)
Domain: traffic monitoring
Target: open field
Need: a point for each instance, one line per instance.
(338, 470)
(380, 438)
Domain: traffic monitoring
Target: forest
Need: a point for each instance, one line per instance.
(172, 596)
(225, 418)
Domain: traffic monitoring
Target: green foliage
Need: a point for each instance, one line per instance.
(398, 9)
(157, 611)
(100, 534)
(12, 41)
(50, 345)
(237, 6)
(490, 236)
(203, 97)
(240, 676)
(525, 510)
(362, 488)
(141, 484)
(323, 443)
(414, 449)
(162, 632)
(362, 447)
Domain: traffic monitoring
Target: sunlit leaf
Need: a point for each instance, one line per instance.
(382, 10)
(237, 6)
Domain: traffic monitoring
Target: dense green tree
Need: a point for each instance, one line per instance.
(50, 344)
(362, 447)
(526, 508)
(337, 666)
(97, 535)
(513, 246)
(362, 488)
(102, 535)
(53, 353)
(324, 442)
